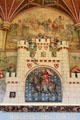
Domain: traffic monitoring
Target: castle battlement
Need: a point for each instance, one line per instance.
(63, 44)
(43, 41)
(10, 75)
(42, 57)
(22, 43)
(11, 78)
(75, 75)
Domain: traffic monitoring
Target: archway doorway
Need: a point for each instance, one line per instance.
(43, 84)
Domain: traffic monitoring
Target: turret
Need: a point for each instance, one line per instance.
(22, 53)
(64, 56)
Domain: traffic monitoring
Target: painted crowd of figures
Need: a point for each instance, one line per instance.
(30, 28)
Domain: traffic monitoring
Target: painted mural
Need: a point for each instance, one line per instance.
(43, 85)
(45, 23)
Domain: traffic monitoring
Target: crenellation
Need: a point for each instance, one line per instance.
(78, 75)
(13, 74)
(8, 74)
(75, 75)
(11, 79)
(63, 44)
(22, 43)
(43, 40)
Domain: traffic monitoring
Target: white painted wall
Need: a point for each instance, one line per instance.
(70, 85)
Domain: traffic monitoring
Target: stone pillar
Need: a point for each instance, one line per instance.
(6, 26)
(64, 56)
(22, 49)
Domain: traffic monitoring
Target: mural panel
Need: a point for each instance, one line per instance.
(45, 22)
(43, 85)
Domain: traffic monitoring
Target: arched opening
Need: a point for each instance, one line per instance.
(43, 84)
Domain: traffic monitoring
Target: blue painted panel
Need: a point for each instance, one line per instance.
(38, 90)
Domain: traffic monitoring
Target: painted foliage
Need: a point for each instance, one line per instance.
(44, 22)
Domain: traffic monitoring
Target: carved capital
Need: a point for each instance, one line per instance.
(77, 26)
(6, 26)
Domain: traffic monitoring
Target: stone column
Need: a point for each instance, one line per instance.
(6, 27)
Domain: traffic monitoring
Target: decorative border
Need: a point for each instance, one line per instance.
(40, 108)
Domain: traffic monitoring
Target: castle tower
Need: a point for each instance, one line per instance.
(64, 56)
(15, 83)
(22, 53)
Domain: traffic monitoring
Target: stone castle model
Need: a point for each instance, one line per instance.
(60, 64)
